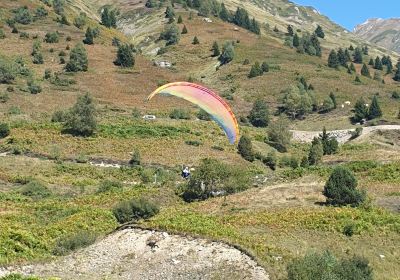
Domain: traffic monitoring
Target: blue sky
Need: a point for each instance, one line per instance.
(349, 13)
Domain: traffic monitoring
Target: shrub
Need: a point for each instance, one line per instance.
(245, 148)
(80, 21)
(341, 188)
(38, 58)
(35, 190)
(316, 152)
(171, 35)
(4, 97)
(180, 114)
(356, 133)
(81, 119)
(7, 72)
(211, 177)
(193, 143)
(349, 229)
(78, 60)
(133, 210)
(395, 94)
(22, 15)
(2, 35)
(270, 160)
(109, 185)
(14, 276)
(135, 159)
(51, 37)
(326, 266)
(4, 130)
(47, 74)
(279, 135)
(203, 115)
(41, 12)
(24, 35)
(227, 54)
(34, 88)
(125, 57)
(71, 243)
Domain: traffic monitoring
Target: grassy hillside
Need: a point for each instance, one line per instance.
(280, 215)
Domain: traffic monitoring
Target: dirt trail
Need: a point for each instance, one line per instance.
(126, 255)
(341, 135)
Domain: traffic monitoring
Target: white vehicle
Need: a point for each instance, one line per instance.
(149, 117)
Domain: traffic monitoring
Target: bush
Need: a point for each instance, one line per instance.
(203, 115)
(51, 37)
(7, 72)
(34, 88)
(41, 12)
(78, 60)
(279, 135)
(80, 21)
(109, 185)
(395, 94)
(135, 159)
(326, 266)
(35, 190)
(193, 143)
(270, 160)
(341, 188)
(171, 35)
(71, 243)
(316, 152)
(4, 97)
(213, 177)
(22, 15)
(14, 276)
(180, 114)
(133, 210)
(245, 148)
(38, 58)
(2, 35)
(81, 119)
(4, 130)
(356, 133)
(259, 114)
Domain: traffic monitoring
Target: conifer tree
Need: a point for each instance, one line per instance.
(357, 56)
(224, 13)
(351, 48)
(255, 70)
(397, 75)
(360, 110)
(378, 64)
(195, 41)
(316, 152)
(371, 62)
(184, 30)
(342, 59)
(180, 20)
(265, 67)
(245, 148)
(333, 61)
(365, 71)
(296, 40)
(352, 67)
(374, 110)
(290, 31)
(333, 97)
(259, 114)
(320, 32)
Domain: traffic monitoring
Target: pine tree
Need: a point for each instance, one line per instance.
(290, 31)
(341, 188)
(365, 50)
(125, 57)
(224, 13)
(365, 71)
(378, 64)
(259, 114)
(342, 57)
(351, 48)
(78, 60)
(360, 110)
(357, 80)
(296, 40)
(352, 67)
(389, 65)
(81, 119)
(180, 20)
(170, 13)
(329, 144)
(316, 152)
(357, 56)
(89, 37)
(320, 32)
(374, 110)
(371, 62)
(255, 70)
(184, 30)
(347, 55)
(245, 148)
(215, 49)
(316, 44)
(227, 54)
(195, 41)
(333, 61)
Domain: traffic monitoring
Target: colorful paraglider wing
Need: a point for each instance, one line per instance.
(207, 100)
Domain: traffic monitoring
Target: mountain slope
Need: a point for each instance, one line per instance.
(382, 32)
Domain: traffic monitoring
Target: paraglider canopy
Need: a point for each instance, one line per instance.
(207, 100)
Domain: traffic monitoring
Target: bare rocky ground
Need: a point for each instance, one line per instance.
(126, 254)
(341, 135)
